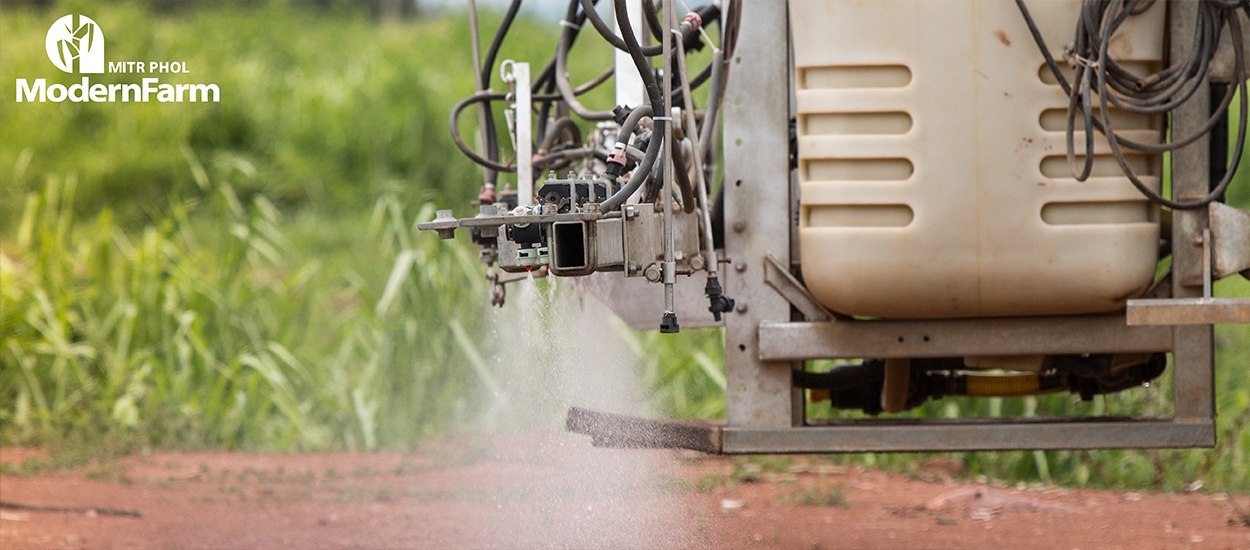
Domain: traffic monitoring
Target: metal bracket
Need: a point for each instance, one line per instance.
(1230, 239)
(1189, 311)
(958, 338)
(780, 279)
(1225, 251)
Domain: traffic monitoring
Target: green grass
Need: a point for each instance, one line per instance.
(187, 335)
(815, 495)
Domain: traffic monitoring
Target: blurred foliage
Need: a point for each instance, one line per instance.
(163, 337)
(321, 107)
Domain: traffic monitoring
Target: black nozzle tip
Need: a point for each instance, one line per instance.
(668, 325)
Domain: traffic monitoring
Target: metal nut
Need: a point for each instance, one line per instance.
(653, 273)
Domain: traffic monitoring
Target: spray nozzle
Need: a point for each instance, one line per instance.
(717, 302)
(668, 324)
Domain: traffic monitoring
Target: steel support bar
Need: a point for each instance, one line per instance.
(895, 435)
(757, 215)
(1189, 311)
(1001, 435)
(1193, 355)
(958, 338)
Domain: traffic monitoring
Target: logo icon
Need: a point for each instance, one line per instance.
(75, 44)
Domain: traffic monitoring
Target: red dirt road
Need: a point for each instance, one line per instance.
(555, 491)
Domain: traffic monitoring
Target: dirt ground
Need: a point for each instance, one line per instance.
(556, 491)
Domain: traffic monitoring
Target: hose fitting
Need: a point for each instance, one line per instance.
(617, 159)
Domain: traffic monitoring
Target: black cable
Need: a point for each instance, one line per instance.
(1239, 73)
(616, 41)
(545, 82)
(659, 125)
(561, 74)
(1157, 93)
(488, 63)
(563, 125)
(484, 97)
(652, 14)
(485, 72)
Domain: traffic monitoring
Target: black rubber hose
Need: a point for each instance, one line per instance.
(631, 122)
(1154, 94)
(638, 177)
(484, 97)
(652, 15)
(488, 63)
(491, 144)
(681, 176)
(561, 74)
(564, 125)
(617, 42)
(480, 97)
(844, 376)
(653, 93)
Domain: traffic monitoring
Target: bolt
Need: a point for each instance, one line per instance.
(653, 273)
(740, 266)
(741, 307)
(740, 226)
(631, 212)
(633, 267)
(696, 262)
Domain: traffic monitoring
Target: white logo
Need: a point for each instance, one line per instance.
(75, 43)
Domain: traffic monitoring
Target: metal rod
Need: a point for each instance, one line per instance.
(1206, 262)
(479, 79)
(670, 267)
(712, 111)
(697, 157)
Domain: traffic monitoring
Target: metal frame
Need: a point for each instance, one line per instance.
(766, 339)
(763, 343)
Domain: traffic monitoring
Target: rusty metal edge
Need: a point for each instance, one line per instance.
(631, 432)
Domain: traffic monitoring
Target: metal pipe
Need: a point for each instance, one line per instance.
(715, 89)
(709, 248)
(670, 267)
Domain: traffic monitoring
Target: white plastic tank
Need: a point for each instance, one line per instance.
(934, 182)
